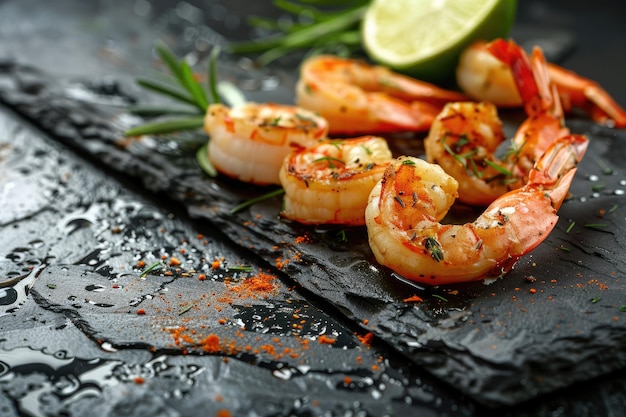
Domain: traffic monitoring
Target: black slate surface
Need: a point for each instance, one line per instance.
(72, 342)
(499, 344)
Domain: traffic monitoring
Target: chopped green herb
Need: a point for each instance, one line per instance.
(498, 168)
(595, 225)
(442, 298)
(330, 161)
(622, 309)
(185, 309)
(434, 247)
(564, 248)
(408, 162)
(570, 226)
(242, 268)
(596, 299)
(167, 126)
(202, 157)
(256, 200)
(613, 208)
(598, 187)
(52, 286)
(154, 266)
(275, 122)
(606, 170)
(342, 235)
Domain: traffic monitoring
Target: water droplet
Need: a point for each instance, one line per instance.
(283, 374)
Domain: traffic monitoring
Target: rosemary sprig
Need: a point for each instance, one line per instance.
(182, 88)
(328, 27)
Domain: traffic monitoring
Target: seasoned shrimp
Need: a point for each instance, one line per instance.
(357, 98)
(465, 136)
(406, 206)
(249, 142)
(484, 77)
(330, 182)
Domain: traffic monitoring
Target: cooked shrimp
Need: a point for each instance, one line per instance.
(249, 142)
(466, 136)
(330, 182)
(483, 77)
(406, 206)
(357, 98)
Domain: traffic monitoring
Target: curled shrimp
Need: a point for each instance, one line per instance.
(406, 206)
(357, 98)
(465, 136)
(483, 77)
(249, 142)
(330, 182)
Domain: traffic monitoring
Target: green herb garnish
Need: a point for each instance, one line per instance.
(183, 88)
(241, 268)
(202, 157)
(319, 26)
(330, 161)
(185, 309)
(595, 225)
(154, 266)
(434, 247)
(342, 235)
(256, 200)
(442, 298)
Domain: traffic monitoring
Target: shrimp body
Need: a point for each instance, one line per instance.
(465, 136)
(483, 77)
(249, 142)
(406, 206)
(357, 98)
(463, 140)
(330, 182)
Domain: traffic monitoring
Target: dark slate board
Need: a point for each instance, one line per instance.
(73, 344)
(499, 343)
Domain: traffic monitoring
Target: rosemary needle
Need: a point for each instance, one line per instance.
(156, 265)
(258, 199)
(202, 156)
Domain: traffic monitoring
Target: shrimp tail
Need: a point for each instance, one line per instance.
(531, 76)
(578, 91)
(555, 170)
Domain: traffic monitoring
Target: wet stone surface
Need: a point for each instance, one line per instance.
(83, 324)
(76, 249)
(551, 322)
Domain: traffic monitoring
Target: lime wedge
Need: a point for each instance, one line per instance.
(424, 38)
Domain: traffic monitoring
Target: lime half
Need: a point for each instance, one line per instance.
(424, 38)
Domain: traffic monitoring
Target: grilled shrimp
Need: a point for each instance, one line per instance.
(406, 206)
(357, 98)
(249, 142)
(330, 182)
(465, 136)
(483, 77)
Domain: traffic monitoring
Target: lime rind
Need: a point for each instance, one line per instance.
(438, 51)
